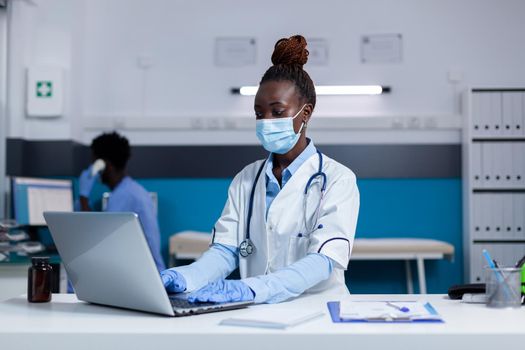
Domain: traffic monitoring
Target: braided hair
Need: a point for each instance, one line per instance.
(289, 56)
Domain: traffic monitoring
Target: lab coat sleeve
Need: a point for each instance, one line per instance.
(334, 236)
(226, 229)
(290, 281)
(216, 263)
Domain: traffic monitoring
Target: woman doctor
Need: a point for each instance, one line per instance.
(289, 221)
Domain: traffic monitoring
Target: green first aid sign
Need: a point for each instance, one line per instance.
(44, 88)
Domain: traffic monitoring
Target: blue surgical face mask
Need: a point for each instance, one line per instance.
(278, 135)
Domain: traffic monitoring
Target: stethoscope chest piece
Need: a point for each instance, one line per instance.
(246, 248)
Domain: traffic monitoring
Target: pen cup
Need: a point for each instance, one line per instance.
(503, 287)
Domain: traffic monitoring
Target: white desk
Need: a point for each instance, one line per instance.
(66, 323)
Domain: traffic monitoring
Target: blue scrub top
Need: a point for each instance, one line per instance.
(272, 185)
(130, 196)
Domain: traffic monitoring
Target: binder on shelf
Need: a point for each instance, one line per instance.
(476, 224)
(512, 113)
(518, 159)
(517, 251)
(494, 162)
(495, 118)
(484, 114)
(476, 265)
(496, 213)
(521, 234)
(521, 121)
(519, 216)
(476, 165)
(484, 228)
(498, 161)
(507, 164)
(486, 164)
(507, 100)
(476, 114)
(488, 160)
(515, 181)
(485, 217)
(508, 217)
(518, 103)
(521, 158)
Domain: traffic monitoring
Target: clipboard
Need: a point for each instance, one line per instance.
(334, 307)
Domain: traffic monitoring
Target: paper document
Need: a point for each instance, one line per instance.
(271, 317)
(387, 311)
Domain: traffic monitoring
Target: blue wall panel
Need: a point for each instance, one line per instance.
(419, 208)
(422, 208)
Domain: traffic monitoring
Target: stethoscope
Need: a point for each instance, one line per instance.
(246, 247)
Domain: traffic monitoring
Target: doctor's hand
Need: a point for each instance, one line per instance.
(223, 291)
(173, 281)
(86, 182)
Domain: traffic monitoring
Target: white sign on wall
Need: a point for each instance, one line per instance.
(45, 92)
(317, 52)
(235, 52)
(381, 48)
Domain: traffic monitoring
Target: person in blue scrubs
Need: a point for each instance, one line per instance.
(127, 195)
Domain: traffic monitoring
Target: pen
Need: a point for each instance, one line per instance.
(521, 262)
(400, 308)
(489, 260)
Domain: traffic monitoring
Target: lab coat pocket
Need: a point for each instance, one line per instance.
(297, 249)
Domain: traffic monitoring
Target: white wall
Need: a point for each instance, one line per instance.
(99, 42)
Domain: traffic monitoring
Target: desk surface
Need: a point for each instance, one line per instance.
(68, 323)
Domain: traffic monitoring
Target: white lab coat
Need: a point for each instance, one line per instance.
(275, 238)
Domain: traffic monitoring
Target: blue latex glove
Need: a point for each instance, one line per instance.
(86, 182)
(173, 281)
(222, 291)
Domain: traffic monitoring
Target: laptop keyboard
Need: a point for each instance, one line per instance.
(185, 304)
(183, 307)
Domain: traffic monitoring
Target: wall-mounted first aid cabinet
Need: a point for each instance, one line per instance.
(45, 92)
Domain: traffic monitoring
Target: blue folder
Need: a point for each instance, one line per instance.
(333, 307)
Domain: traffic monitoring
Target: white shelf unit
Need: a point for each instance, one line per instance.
(493, 177)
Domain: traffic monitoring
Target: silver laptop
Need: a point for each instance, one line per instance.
(108, 261)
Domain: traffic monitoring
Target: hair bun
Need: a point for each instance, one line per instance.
(290, 51)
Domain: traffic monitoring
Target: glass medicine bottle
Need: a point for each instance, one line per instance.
(39, 280)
